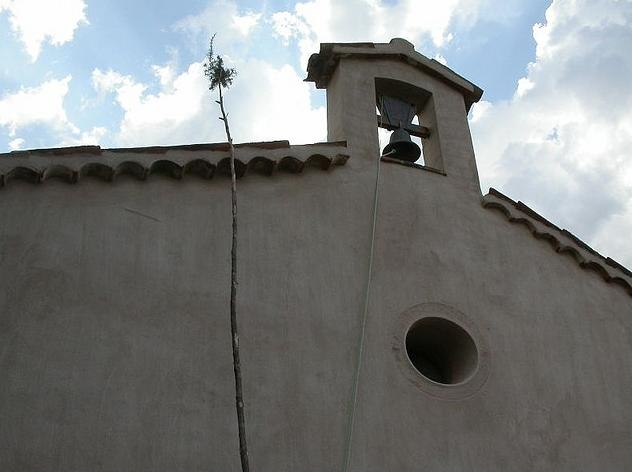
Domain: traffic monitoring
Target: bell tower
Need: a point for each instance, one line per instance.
(402, 84)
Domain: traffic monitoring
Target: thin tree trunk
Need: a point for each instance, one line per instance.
(239, 397)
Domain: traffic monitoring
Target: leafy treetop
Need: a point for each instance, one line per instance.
(214, 69)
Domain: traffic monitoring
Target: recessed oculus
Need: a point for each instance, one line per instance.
(441, 350)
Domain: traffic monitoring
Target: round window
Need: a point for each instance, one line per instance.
(441, 350)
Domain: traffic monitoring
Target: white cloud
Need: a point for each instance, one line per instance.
(439, 58)
(479, 110)
(16, 144)
(128, 92)
(43, 105)
(316, 21)
(562, 143)
(167, 117)
(92, 137)
(524, 85)
(182, 106)
(284, 111)
(221, 17)
(184, 112)
(246, 23)
(40, 21)
(287, 25)
(165, 74)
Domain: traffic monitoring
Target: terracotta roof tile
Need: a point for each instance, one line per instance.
(561, 240)
(40, 165)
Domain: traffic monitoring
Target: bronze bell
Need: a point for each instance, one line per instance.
(399, 113)
(400, 146)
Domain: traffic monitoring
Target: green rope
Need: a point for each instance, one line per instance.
(354, 395)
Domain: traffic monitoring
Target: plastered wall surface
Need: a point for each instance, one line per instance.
(116, 348)
(114, 322)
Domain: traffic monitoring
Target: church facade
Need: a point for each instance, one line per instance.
(391, 317)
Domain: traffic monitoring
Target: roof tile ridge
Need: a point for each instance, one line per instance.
(561, 240)
(73, 171)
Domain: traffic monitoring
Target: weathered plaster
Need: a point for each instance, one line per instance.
(114, 328)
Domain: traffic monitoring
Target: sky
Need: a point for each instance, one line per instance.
(554, 127)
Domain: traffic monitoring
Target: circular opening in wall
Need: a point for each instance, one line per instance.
(441, 350)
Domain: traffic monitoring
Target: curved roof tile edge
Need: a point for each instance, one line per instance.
(563, 242)
(200, 167)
